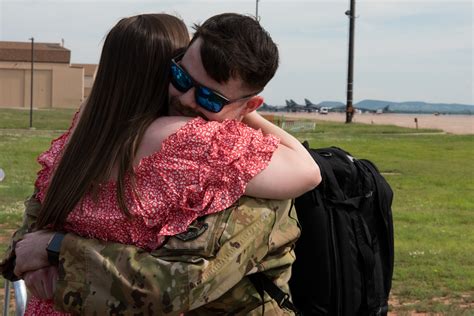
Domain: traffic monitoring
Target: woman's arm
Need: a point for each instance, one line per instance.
(291, 172)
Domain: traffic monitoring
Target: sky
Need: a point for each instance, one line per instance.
(405, 50)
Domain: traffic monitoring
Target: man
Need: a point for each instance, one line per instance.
(202, 271)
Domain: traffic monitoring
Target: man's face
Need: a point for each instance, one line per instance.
(185, 103)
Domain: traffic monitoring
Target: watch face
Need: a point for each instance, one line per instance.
(54, 247)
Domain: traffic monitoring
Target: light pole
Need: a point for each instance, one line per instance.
(31, 85)
(350, 68)
(256, 11)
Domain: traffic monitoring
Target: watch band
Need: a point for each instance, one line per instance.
(53, 248)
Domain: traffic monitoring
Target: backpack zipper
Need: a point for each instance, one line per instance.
(335, 255)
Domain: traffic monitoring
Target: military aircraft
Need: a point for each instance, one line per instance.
(269, 108)
(311, 107)
(292, 106)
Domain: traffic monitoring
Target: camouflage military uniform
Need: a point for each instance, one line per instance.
(200, 272)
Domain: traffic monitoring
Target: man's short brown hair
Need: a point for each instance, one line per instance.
(236, 46)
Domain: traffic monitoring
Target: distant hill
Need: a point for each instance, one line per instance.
(392, 107)
(415, 107)
(332, 104)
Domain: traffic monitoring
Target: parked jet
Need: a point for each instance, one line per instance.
(385, 109)
(297, 107)
(311, 107)
(269, 108)
(292, 106)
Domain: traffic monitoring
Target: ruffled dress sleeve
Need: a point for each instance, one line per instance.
(201, 169)
(49, 160)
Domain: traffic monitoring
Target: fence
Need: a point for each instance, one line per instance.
(292, 125)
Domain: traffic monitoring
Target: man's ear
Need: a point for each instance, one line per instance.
(253, 103)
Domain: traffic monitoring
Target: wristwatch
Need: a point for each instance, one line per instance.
(53, 248)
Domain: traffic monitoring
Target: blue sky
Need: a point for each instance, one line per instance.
(404, 50)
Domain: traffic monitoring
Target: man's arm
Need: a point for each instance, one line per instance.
(103, 277)
(100, 278)
(32, 208)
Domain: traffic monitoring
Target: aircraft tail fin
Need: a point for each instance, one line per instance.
(308, 102)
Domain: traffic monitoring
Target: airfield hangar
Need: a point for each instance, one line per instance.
(56, 82)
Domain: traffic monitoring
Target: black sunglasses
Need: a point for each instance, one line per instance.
(207, 98)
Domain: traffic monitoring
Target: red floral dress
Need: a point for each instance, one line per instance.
(201, 169)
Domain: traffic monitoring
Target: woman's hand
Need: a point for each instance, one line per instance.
(42, 283)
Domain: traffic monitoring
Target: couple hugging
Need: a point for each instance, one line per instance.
(169, 189)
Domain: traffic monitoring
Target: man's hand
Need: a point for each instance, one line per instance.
(31, 252)
(42, 283)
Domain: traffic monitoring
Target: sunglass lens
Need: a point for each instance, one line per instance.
(209, 100)
(180, 79)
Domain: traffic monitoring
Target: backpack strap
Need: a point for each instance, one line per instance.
(329, 180)
(380, 189)
(367, 254)
(263, 283)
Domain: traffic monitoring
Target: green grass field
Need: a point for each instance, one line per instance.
(432, 176)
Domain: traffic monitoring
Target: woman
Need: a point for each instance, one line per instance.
(119, 165)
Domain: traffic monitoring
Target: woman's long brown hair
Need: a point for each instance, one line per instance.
(130, 91)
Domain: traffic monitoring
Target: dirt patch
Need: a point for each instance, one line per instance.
(400, 307)
(454, 124)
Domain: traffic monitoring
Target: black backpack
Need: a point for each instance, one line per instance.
(344, 257)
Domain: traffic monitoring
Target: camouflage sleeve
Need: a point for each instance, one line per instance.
(32, 208)
(98, 278)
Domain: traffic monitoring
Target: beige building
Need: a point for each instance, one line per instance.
(89, 76)
(55, 82)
